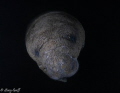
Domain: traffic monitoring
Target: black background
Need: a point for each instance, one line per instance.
(99, 59)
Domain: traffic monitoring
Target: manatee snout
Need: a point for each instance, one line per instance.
(60, 64)
(54, 41)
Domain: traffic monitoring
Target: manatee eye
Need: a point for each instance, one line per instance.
(71, 38)
(36, 53)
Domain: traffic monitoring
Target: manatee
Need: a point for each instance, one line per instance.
(54, 41)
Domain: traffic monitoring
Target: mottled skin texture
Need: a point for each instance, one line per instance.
(54, 40)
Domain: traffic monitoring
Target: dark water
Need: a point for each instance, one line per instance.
(99, 60)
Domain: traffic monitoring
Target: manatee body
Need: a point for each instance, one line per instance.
(54, 40)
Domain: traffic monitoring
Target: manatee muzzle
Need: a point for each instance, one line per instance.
(59, 63)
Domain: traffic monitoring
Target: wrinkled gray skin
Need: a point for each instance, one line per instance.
(54, 40)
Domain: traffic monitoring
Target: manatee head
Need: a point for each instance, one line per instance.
(54, 40)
